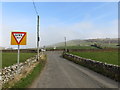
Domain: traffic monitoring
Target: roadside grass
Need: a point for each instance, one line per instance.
(11, 58)
(25, 82)
(106, 57)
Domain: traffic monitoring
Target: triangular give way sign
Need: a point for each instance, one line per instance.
(18, 36)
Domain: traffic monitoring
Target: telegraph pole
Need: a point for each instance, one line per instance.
(65, 45)
(38, 38)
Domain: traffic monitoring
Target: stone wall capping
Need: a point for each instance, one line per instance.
(109, 70)
(8, 73)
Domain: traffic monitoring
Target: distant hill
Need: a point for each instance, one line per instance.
(70, 43)
(106, 40)
(88, 42)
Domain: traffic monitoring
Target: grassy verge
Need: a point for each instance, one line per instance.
(27, 80)
(108, 57)
(11, 58)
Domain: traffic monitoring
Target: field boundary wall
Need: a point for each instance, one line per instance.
(109, 70)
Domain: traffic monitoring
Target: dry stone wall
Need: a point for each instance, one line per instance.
(109, 70)
(8, 73)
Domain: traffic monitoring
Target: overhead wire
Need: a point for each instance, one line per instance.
(35, 7)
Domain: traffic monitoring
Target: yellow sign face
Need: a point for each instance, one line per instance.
(18, 38)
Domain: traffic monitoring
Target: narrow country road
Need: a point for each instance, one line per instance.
(61, 73)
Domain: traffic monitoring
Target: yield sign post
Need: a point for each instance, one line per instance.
(18, 38)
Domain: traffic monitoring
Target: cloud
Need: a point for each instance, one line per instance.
(56, 33)
(81, 30)
(6, 37)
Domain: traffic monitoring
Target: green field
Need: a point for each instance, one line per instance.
(84, 47)
(75, 47)
(108, 57)
(11, 58)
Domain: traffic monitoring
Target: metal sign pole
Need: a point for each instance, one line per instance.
(18, 57)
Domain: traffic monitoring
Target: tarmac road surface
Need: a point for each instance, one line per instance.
(61, 73)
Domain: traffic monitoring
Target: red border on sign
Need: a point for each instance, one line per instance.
(18, 33)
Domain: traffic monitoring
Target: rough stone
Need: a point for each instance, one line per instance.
(8, 73)
(109, 70)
